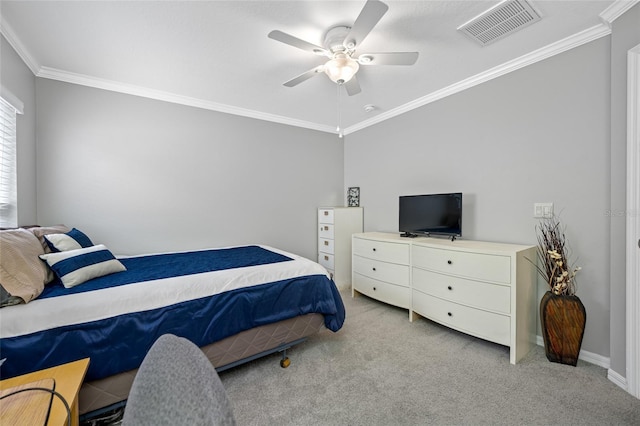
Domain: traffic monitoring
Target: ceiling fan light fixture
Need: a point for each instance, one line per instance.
(339, 46)
(341, 68)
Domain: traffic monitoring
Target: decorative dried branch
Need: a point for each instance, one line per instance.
(553, 254)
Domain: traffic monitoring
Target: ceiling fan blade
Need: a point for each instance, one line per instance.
(392, 58)
(352, 86)
(304, 76)
(296, 42)
(371, 13)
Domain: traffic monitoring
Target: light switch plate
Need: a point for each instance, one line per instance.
(542, 210)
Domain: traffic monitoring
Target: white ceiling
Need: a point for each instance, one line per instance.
(216, 54)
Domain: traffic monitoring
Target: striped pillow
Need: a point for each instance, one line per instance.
(75, 267)
(72, 240)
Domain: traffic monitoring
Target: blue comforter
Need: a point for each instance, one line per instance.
(119, 343)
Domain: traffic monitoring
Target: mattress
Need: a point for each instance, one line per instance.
(204, 296)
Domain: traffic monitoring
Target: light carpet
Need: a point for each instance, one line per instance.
(381, 369)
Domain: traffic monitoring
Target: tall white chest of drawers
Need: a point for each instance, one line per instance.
(484, 289)
(335, 227)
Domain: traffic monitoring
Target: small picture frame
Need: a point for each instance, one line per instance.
(353, 196)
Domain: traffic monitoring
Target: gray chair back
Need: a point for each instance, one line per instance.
(177, 385)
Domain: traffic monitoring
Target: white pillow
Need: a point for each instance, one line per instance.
(72, 240)
(75, 267)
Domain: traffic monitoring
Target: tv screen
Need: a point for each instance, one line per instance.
(431, 214)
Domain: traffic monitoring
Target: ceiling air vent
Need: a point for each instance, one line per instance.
(499, 21)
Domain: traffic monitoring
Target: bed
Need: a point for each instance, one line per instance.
(237, 303)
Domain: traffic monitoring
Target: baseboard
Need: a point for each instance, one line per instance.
(590, 357)
(617, 379)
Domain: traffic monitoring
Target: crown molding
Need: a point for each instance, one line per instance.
(17, 45)
(560, 46)
(614, 11)
(617, 8)
(131, 89)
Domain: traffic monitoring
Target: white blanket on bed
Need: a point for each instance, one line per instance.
(44, 314)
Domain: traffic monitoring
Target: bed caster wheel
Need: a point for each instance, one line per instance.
(285, 362)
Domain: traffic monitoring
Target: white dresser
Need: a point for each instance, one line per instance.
(335, 227)
(381, 269)
(484, 289)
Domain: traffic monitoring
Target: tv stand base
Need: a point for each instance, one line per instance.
(408, 235)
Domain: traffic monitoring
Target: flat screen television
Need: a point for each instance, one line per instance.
(431, 214)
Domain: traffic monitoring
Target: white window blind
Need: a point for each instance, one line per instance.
(8, 189)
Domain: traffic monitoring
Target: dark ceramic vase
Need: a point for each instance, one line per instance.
(563, 319)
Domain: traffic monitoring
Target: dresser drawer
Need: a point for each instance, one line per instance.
(325, 216)
(389, 293)
(382, 271)
(479, 266)
(326, 260)
(382, 250)
(492, 297)
(325, 231)
(479, 323)
(326, 245)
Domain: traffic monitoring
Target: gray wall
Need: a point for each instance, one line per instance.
(142, 175)
(625, 35)
(20, 81)
(540, 134)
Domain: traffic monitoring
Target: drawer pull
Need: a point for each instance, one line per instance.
(326, 243)
(374, 289)
(326, 213)
(326, 228)
(450, 314)
(374, 249)
(374, 269)
(326, 258)
(449, 287)
(449, 262)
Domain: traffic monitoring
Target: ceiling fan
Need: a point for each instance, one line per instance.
(340, 44)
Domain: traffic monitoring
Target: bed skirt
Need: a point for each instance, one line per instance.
(102, 393)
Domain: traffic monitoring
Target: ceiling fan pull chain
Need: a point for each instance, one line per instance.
(338, 129)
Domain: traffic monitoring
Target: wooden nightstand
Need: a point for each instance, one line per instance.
(68, 379)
